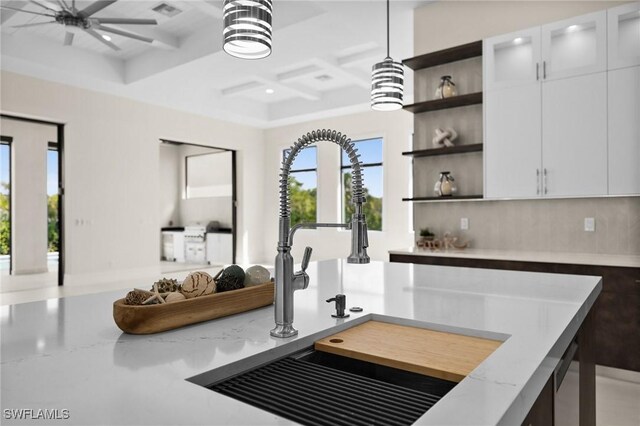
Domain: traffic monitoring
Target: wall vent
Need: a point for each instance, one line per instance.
(167, 10)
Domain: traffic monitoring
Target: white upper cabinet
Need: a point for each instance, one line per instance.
(575, 46)
(624, 131)
(574, 136)
(624, 35)
(512, 59)
(512, 156)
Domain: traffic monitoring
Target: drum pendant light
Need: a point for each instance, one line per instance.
(247, 28)
(387, 81)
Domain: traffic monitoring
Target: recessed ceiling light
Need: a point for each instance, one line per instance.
(106, 37)
(324, 77)
(517, 40)
(269, 91)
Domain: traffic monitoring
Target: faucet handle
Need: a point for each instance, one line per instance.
(306, 257)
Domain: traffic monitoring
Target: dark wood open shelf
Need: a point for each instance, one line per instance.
(438, 104)
(452, 198)
(457, 53)
(458, 149)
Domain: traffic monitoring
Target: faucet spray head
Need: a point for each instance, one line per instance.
(359, 239)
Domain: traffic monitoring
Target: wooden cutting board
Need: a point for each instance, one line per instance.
(438, 354)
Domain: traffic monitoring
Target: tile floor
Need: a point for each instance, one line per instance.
(617, 391)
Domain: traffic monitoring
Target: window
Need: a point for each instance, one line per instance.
(303, 185)
(209, 175)
(5, 202)
(53, 217)
(370, 151)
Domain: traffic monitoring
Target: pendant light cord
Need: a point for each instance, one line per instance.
(388, 56)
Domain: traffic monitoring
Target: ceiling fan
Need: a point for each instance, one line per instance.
(76, 21)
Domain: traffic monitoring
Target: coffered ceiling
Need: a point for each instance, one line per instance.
(320, 65)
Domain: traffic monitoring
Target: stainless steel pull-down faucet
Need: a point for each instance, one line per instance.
(286, 280)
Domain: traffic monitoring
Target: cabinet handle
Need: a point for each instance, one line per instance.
(537, 181)
(544, 173)
(537, 71)
(544, 70)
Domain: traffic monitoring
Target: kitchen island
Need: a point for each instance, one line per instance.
(68, 354)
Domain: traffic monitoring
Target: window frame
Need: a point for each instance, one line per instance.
(362, 166)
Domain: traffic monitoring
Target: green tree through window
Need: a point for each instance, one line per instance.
(303, 186)
(370, 151)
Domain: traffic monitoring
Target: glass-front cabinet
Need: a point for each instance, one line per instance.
(575, 46)
(512, 59)
(624, 36)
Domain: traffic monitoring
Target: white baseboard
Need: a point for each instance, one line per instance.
(618, 374)
(30, 271)
(104, 277)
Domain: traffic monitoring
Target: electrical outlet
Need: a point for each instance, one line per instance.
(464, 223)
(590, 224)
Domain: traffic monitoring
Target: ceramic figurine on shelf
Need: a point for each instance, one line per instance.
(451, 242)
(444, 137)
(446, 88)
(445, 186)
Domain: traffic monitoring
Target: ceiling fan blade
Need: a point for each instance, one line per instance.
(68, 39)
(64, 5)
(101, 40)
(33, 24)
(126, 21)
(124, 33)
(45, 5)
(96, 7)
(26, 11)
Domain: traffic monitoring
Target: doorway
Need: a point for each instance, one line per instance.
(197, 208)
(31, 203)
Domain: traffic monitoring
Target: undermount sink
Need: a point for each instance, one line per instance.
(316, 388)
(375, 370)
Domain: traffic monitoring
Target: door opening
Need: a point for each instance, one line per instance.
(197, 206)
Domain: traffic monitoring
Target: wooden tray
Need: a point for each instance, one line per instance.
(137, 319)
(432, 353)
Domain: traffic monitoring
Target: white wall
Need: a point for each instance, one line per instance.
(395, 128)
(29, 194)
(112, 167)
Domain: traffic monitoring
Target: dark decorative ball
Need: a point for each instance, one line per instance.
(232, 278)
(167, 285)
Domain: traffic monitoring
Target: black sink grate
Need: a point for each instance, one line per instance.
(312, 394)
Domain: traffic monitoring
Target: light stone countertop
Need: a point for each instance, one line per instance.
(621, 260)
(68, 353)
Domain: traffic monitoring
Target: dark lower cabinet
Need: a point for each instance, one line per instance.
(541, 414)
(616, 313)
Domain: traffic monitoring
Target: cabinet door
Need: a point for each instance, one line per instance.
(511, 60)
(575, 46)
(624, 35)
(512, 147)
(574, 135)
(624, 131)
